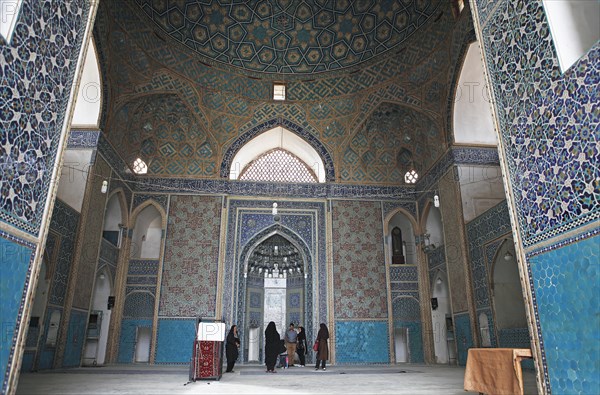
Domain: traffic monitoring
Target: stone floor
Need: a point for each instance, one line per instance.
(252, 379)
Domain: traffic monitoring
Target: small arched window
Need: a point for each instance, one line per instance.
(397, 247)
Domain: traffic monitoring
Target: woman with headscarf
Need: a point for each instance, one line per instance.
(272, 347)
(232, 348)
(301, 346)
(323, 350)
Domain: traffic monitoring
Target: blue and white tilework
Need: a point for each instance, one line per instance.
(127, 340)
(139, 198)
(64, 224)
(36, 74)
(79, 138)
(488, 227)
(548, 120)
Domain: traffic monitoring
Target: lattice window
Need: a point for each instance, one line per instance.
(278, 165)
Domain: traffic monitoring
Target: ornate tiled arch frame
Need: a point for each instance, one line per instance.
(299, 243)
(268, 125)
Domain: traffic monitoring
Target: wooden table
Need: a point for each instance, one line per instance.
(495, 371)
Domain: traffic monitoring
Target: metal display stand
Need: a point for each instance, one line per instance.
(207, 352)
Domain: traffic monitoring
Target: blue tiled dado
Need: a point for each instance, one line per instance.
(127, 340)
(75, 338)
(463, 336)
(358, 342)
(14, 266)
(174, 341)
(567, 289)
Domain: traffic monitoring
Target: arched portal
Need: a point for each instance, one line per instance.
(274, 284)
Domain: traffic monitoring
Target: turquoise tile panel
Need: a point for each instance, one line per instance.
(464, 337)
(75, 338)
(14, 268)
(359, 342)
(127, 340)
(27, 363)
(174, 340)
(567, 288)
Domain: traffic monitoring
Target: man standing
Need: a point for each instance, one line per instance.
(290, 343)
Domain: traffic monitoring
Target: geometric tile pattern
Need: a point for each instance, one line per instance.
(566, 288)
(189, 279)
(415, 339)
(75, 338)
(228, 99)
(358, 342)
(161, 130)
(549, 121)
(290, 37)
(34, 90)
(127, 339)
(139, 305)
(359, 270)
(489, 226)
(390, 129)
(64, 222)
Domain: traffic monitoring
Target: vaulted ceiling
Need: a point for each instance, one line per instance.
(181, 100)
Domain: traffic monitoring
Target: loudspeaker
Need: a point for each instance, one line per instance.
(111, 302)
(434, 303)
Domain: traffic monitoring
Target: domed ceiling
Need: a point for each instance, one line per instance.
(290, 36)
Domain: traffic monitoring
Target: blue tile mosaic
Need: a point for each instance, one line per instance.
(75, 338)
(299, 39)
(484, 229)
(233, 303)
(138, 199)
(405, 308)
(31, 101)
(174, 340)
(63, 225)
(546, 122)
(79, 138)
(15, 266)
(46, 354)
(404, 273)
(565, 280)
(463, 336)
(127, 340)
(139, 305)
(361, 342)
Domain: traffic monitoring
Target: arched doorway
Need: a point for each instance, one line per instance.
(276, 285)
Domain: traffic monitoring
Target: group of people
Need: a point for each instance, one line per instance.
(294, 342)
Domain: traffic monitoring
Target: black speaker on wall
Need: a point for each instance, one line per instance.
(434, 303)
(111, 302)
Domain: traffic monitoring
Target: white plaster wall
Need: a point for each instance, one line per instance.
(277, 138)
(147, 234)
(41, 295)
(481, 188)
(73, 177)
(473, 122)
(89, 97)
(434, 226)
(408, 235)
(102, 290)
(275, 304)
(438, 317)
(575, 27)
(507, 292)
(112, 216)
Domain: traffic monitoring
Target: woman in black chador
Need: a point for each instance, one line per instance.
(232, 347)
(301, 345)
(272, 347)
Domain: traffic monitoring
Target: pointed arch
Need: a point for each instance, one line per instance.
(241, 266)
(236, 146)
